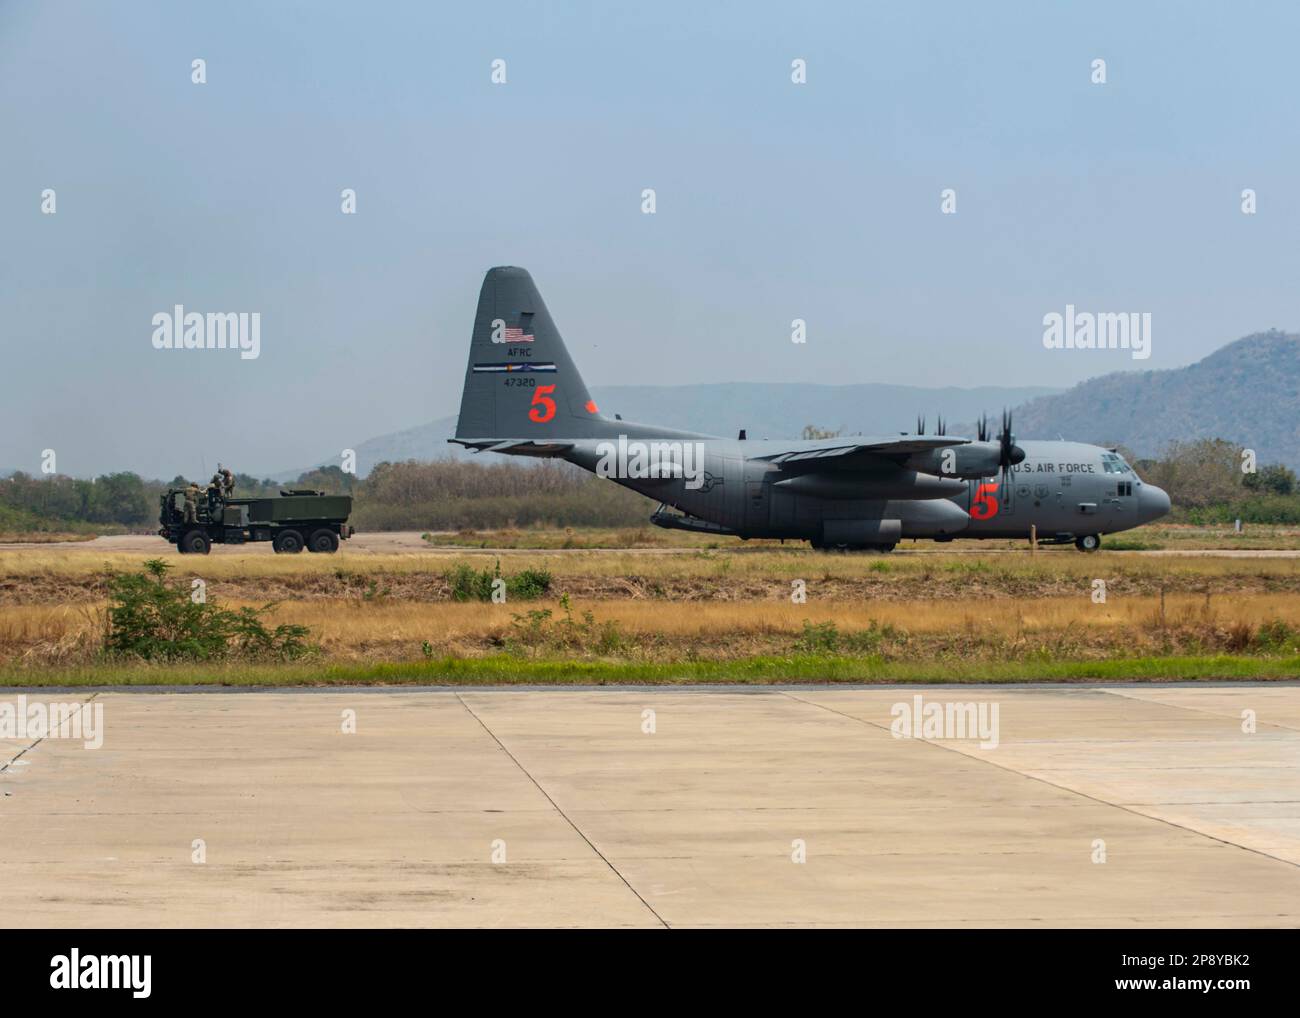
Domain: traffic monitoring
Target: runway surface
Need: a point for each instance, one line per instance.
(1132, 806)
(404, 542)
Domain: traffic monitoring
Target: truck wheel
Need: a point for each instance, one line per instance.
(194, 542)
(1088, 542)
(287, 542)
(323, 540)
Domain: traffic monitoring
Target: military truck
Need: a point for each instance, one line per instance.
(298, 518)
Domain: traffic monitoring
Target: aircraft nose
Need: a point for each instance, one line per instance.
(1153, 503)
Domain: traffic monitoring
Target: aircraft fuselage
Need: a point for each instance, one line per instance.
(1062, 489)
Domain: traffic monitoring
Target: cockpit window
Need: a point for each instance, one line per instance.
(1113, 464)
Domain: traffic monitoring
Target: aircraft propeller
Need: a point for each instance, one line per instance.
(1009, 454)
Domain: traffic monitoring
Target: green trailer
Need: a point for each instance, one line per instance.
(293, 520)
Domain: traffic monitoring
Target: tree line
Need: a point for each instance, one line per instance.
(439, 495)
(1206, 484)
(1204, 479)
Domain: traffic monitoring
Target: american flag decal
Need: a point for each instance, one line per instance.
(517, 336)
(502, 366)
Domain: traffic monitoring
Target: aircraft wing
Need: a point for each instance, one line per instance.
(844, 454)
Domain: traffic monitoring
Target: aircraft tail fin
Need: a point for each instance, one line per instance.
(520, 382)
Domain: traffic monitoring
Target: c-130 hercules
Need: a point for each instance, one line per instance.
(523, 396)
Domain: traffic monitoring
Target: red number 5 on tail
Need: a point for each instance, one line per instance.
(543, 406)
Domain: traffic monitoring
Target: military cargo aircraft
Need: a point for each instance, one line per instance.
(523, 396)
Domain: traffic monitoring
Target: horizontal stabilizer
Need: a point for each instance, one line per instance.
(514, 447)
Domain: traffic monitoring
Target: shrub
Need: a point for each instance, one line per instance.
(869, 640)
(825, 638)
(468, 584)
(540, 629)
(156, 620)
(1277, 637)
(529, 584)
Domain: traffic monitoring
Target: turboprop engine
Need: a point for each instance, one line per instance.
(895, 483)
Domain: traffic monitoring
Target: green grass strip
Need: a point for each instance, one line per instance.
(504, 669)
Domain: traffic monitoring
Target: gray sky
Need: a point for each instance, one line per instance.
(775, 201)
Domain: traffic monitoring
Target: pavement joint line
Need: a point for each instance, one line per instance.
(14, 759)
(27, 749)
(1195, 710)
(1053, 784)
(567, 819)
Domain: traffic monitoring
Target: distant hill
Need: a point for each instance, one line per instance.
(765, 410)
(1246, 392)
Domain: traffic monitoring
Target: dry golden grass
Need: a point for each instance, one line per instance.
(958, 582)
(356, 630)
(352, 622)
(975, 603)
(793, 561)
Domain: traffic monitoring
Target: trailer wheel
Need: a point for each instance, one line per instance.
(323, 540)
(194, 542)
(287, 542)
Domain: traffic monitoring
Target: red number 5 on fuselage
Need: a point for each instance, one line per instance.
(984, 506)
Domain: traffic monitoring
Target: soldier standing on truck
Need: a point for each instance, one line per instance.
(191, 503)
(227, 481)
(214, 497)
